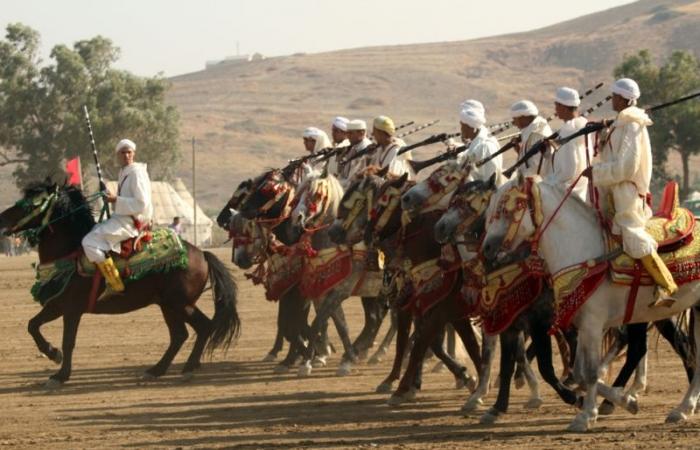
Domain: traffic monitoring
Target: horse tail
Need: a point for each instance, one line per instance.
(226, 325)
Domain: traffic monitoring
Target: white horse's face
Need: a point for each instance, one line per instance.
(353, 213)
(509, 221)
(249, 241)
(434, 190)
(467, 206)
(318, 202)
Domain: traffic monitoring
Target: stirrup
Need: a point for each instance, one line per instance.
(662, 299)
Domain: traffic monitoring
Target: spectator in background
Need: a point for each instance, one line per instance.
(177, 226)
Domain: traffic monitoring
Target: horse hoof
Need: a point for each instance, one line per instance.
(57, 357)
(383, 388)
(471, 384)
(489, 417)
(533, 403)
(305, 370)
(269, 357)
(606, 408)
(377, 357)
(53, 384)
(519, 382)
(281, 369)
(581, 423)
(676, 416)
(148, 376)
(631, 405)
(187, 376)
(319, 361)
(344, 370)
(472, 404)
(399, 399)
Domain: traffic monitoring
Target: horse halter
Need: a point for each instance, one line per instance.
(275, 188)
(354, 204)
(39, 204)
(513, 204)
(253, 239)
(385, 207)
(470, 204)
(442, 182)
(316, 202)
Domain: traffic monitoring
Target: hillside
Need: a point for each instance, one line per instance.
(250, 116)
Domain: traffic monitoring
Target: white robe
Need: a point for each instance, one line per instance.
(536, 131)
(569, 160)
(398, 164)
(625, 173)
(333, 165)
(133, 202)
(352, 168)
(481, 147)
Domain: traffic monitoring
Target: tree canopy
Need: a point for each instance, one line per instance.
(676, 127)
(41, 107)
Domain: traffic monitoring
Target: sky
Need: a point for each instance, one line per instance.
(175, 36)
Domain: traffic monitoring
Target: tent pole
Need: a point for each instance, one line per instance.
(194, 193)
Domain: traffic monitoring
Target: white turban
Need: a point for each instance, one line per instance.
(568, 97)
(125, 143)
(341, 123)
(627, 88)
(473, 104)
(357, 124)
(319, 136)
(523, 108)
(473, 117)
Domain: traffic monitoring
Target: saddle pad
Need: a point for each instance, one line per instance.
(163, 253)
(684, 264)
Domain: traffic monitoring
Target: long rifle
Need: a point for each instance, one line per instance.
(417, 166)
(417, 129)
(404, 125)
(103, 186)
(372, 147)
(442, 137)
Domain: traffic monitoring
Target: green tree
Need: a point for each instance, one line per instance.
(675, 128)
(41, 115)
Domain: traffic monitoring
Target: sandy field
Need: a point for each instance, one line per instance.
(236, 402)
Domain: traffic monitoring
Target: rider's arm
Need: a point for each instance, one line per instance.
(625, 162)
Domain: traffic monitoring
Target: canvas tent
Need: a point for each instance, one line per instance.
(168, 202)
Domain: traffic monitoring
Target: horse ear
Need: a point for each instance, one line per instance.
(521, 178)
(382, 172)
(403, 179)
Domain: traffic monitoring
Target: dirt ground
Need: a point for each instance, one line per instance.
(236, 401)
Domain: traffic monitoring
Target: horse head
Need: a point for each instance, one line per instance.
(510, 218)
(250, 241)
(466, 210)
(353, 212)
(317, 204)
(269, 197)
(234, 203)
(434, 191)
(385, 215)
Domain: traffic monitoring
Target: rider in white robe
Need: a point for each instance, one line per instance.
(132, 208)
(533, 128)
(481, 146)
(625, 173)
(386, 155)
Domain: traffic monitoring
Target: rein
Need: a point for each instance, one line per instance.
(543, 228)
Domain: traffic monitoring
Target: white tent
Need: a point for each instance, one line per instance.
(169, 203)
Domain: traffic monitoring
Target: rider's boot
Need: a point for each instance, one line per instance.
(666, 287)
(111, 274)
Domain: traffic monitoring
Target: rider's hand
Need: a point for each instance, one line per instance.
(111, 198)
(587, 172)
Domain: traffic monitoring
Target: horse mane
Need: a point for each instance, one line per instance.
(70, 207)
(335, 190)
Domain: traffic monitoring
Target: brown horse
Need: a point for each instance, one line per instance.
(58, 217)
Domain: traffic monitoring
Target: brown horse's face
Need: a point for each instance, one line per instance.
(268, 196)
(353, 211)
(30, 211)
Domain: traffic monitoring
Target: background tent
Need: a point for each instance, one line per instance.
(169, 202)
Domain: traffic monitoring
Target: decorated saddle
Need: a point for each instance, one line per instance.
(162, 251)
(429, 283)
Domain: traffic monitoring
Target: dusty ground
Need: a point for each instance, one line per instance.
(236, 401)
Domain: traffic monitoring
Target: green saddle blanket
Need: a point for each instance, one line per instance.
(163, 253)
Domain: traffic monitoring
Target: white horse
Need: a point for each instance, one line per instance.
(575, 236)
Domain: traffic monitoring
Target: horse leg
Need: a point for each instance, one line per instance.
(509, 348)
(564, 353)
(636, 339)
(535, 401)
(71, 320)
(386, 342)
(403, 329)
(294, 311)
(462, 378)
(279, 338)
(465, 330)
(202, 327)
(690, 400)
(543, 351)
(482, 389)
(178, 335)
(679, 341)
(364, 341)
(587, 367)
(425, 334)
(50, 312)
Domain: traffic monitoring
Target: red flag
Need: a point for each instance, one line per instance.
(75, 177)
